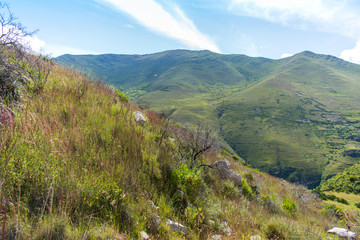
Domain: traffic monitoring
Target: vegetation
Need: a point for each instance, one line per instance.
(296, 118)
(76, 165)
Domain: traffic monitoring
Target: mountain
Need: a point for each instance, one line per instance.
(76, 164)
(295, 118)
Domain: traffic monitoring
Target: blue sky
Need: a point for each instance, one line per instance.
(267, 28)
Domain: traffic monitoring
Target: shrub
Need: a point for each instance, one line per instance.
(247, 190)
(289, 206)
(230, 190)
(273, 232)
(122, 96)
(357, 205)
(188, 180)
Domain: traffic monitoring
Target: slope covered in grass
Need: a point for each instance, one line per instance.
(294, 118)
(76, 165)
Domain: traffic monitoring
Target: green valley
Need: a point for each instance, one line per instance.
(295, 118)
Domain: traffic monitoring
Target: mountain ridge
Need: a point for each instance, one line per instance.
(249, 99)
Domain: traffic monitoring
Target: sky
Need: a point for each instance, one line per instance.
(267, 28)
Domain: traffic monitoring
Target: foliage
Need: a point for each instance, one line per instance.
(246, 189)
(289, 206)
(122, 96)
(18, 68)
(273, 232)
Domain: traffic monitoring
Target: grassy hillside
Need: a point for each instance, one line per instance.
(294, 117)
(76, 165)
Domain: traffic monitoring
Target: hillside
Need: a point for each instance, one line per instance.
(295, 118)
(77, 165)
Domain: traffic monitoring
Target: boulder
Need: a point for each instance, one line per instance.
(223, 167)
(139, 117)
(342, 232)
(176, 227)
(225, 228)
(144, 235)
(6, 115)
(216, 237)
(255, 237)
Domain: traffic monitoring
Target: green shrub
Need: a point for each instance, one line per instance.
(289, 206)
(122, 96)
(357, 205)
(230, 190)
(188, 180)
(247, 190)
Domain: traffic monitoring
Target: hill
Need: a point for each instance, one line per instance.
(77, 165)
(293, 117)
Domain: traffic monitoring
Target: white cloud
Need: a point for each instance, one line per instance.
(285, 55)
(352, 55)
(333, 16)
(34, 43)
(153, 16)
(57, 50)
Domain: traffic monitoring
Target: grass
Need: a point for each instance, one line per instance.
(76, 165)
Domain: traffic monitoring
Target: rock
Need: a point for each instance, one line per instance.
(6, 115)
(139, 117)
(154, 223)
(223, 166)
(224, 226)
(342, 232)
(216, 237)
(176, 227)
(255, 237)
(152, 204)
(144, 235)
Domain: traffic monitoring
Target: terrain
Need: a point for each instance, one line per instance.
(77, 165)
(296, 118)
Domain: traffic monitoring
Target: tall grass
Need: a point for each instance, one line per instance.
(76, 165)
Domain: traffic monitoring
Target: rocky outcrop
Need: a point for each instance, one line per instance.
(6, 115)
(176, 227)
(225, 172)
(139, 117)
(342, 232)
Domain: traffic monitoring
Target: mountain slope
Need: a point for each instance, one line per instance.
(75, 164)
(292, 117)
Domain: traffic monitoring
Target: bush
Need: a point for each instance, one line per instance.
(122, 96)
(273, 232)
(188, 180)
(230, 190)
(357, 205)
(289, 206)
(247, 190)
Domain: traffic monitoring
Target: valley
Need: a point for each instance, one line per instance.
(295, 118)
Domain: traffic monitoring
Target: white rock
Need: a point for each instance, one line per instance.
(224, 226)
(216, 237)
(255, 237)
(342, 232)
(144, 235)
(176, 227)
(139, 117)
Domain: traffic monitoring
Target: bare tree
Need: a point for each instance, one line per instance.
(18, 68)
(192, 143)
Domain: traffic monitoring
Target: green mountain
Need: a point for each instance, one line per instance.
(296, 118)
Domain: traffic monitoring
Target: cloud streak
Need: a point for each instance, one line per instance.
(330, 16)
(333, 16)
(177, 26)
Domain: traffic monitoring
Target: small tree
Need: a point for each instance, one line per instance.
(18, 68)
(192, 143)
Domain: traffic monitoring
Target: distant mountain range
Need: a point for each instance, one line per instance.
(297, 118)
